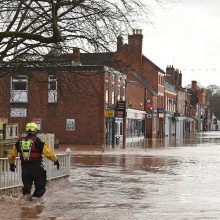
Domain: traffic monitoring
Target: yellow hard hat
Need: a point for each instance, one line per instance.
(31, 127)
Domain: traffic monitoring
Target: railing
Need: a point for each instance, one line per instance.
(11, 181)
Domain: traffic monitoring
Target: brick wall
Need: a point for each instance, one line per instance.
(80, 97)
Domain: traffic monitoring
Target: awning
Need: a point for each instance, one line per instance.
(184, 118)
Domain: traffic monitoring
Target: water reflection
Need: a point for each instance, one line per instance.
(130, 163)
(163, 179)
(193, 139)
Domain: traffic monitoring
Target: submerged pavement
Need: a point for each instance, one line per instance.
(176, 179)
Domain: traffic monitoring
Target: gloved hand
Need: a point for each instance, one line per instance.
(12, 167)
(56, 163)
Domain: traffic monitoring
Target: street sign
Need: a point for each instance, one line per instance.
(121, 105)
(109, 113)
(160, 110)
(149, 116)
(176, 114)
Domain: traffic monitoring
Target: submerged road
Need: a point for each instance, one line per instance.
(171, 180)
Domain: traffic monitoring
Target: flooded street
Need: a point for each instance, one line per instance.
(171, 180)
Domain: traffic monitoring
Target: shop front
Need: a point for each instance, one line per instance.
(114, 128)
(135, 125)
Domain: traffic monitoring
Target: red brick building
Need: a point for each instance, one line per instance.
(84, 101)
(145, 87)
(181, 111)
(69, 101)
(198, 102)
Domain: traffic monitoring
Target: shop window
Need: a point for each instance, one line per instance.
(52, 89)
(19, 89)
(119, 127)
(135, 127)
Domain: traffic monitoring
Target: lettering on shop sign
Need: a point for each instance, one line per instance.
(109, 113)
(121, 105)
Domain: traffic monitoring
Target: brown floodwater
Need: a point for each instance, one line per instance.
(169, 179)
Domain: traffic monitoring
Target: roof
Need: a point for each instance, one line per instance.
(169, 87)
(60, 68)
(144, 57)
(96, 58)
(147, 85)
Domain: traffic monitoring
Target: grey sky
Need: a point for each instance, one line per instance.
(186, 35)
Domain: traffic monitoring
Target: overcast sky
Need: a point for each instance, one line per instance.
(186, 35)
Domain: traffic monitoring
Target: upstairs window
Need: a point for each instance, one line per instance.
(106, 89)
(119, 88)
(19, 89)
(52, 89)
(124, 88)
(113, 90)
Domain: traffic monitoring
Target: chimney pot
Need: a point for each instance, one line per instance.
(76, 55)
(120, 42)
(137, 31)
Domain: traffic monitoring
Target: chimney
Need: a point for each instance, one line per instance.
(136, 38)
(176, 76)
(180, 79)
(135, 43)
(76, 55)
(170, 73)
(120, 42)
(194, 85)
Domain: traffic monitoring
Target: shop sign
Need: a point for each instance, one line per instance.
(161, 115)
(121, 105)
(160, 110)
(135, 115)
(176, 114)
(70, 124)
(109, 113)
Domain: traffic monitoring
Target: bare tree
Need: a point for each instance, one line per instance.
(30, 28)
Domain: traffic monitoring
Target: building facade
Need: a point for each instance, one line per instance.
(76, 103)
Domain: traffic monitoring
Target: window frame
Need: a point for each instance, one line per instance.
(52, 92)
(19, 95)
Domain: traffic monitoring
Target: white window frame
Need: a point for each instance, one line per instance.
(52, 93)
(113, 89)
(124, 88)
(18, 112)
(106, 89)
(119, 88)
(19, 96)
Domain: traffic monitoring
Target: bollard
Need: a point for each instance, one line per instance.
(70, 154)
